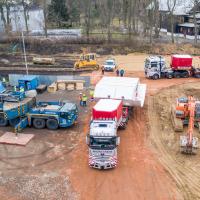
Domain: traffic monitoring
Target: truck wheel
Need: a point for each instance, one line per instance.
(169, 76)
(38, 123)
(186, 75)
(3, 122)
(155, 77)
(176, 75)
(14, 122)
(52, 124)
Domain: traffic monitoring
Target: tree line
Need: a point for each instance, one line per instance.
(101, 16)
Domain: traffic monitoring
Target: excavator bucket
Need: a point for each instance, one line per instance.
(176, 122)
(188, 149)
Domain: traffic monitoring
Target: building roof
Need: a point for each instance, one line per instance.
(182, 7)
(197, 16)
(187, 24)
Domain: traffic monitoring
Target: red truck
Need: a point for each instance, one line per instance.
(180, 67)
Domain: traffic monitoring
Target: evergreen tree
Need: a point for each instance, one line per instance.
(58, 12)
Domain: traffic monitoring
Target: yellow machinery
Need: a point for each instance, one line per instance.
(87, 62)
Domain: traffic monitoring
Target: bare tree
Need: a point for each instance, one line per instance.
(44, 3)
(156, 19)
(25, 14)
(171, 4)
(87, 6)
(195, 4)
(5, 13)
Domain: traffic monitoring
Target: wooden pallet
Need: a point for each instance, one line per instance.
(12, 138)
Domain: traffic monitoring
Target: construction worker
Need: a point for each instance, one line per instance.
(4, 82)
(21, 89)
(91, 95)
(84, 100)
(102, 70)
(117, 72)
(15, 88)
(122, 72)
(80, 99)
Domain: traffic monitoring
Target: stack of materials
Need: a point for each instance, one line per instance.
(66, 85)
(52, 88)
(43, 61)
(70, 86)
(61, 85)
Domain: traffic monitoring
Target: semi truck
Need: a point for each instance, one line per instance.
(20, 111)
(107, 117)
(116, 98)
(180, 67)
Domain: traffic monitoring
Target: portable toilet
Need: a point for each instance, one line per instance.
(28, 82)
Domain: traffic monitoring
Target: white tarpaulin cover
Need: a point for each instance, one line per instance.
(128, 89)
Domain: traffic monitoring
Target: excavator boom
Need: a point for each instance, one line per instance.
(189, 143)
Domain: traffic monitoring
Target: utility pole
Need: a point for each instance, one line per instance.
(24, 49)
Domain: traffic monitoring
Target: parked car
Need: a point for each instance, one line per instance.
(110, 65)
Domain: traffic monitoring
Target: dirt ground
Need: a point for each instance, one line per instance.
(135, 61)
(54, 165)
(183, 168)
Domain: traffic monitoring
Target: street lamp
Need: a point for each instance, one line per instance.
(24, 50)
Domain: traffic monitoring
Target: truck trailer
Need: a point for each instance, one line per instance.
(180, 67)
(102, 139)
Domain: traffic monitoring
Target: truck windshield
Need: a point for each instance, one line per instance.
(147, 63)
(64, 115)
(102, 142)
(109, 63)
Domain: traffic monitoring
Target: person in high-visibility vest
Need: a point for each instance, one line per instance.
(80, 99)
(84, 100)
(21, 89)
(15, 88)
(91, 95)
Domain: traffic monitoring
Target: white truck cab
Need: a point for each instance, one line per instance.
(110, 65)
(154, 67)
(103, 141)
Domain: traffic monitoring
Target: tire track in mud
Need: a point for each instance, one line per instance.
(9, 160)
(187, 178)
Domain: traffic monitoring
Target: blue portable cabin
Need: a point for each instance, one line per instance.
(28, 82)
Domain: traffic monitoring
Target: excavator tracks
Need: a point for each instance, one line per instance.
(177, 123)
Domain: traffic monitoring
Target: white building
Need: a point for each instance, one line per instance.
(35, 19)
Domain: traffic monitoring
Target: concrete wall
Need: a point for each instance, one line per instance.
(47, 80)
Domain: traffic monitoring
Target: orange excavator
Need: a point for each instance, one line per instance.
(187, 112)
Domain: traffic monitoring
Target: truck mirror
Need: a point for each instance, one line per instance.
(118, 141)
(87, 140)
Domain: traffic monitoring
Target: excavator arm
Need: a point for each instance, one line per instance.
(189, 143)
